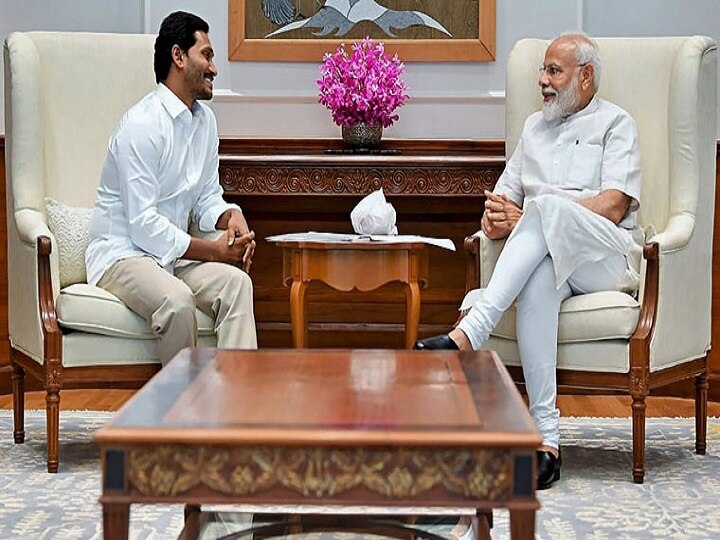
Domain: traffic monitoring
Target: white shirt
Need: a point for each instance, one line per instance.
(588, 152)
(161, 169)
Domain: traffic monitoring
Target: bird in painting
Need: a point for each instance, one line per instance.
(339, 16)
(279, 11)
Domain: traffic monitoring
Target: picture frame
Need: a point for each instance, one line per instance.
(248, 29)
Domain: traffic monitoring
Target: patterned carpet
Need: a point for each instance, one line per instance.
(594, 499)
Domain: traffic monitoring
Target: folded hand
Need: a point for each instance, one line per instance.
(500, 216)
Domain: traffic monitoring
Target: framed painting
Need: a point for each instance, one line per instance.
(417, 30)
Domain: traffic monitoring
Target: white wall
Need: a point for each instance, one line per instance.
(448, 100)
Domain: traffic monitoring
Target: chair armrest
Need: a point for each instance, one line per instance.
(33, 284)
(677, 233)
(472, 267)
(674, 325)
(640, 340)
(48, 314)
(31, 226)
(682, 326)
(482, 255)
(35, 234)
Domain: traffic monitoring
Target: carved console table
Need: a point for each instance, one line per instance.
(289, 185)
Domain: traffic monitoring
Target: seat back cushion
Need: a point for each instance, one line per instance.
(70, 226)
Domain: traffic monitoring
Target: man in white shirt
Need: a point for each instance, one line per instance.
(566, 203)
(161, 171)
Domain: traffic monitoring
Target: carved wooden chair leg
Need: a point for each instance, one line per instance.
(52, 409)
(701, 395)
(638, 436)
(18, 383)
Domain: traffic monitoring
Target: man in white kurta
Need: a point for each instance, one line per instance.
(161, 170)
(566, 203)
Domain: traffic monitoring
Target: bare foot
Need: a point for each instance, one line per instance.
(462, 341)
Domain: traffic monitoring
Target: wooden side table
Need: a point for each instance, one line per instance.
(363, 265)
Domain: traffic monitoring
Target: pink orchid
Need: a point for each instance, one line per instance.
(362, 87)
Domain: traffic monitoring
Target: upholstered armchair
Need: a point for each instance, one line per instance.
(610, 340)
(64, 95)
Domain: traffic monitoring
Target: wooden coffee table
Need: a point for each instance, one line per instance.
(377, 428)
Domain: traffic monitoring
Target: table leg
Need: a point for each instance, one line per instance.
(482, 523)
(412, 316)
(298, 314)
(116, 521)
(522, 524)
(191, 530)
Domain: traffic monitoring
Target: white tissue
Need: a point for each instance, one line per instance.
(374, 215)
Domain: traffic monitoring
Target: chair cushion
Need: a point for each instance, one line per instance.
(71, 227)
(609, 356)
(86, 349)
(585, 317)
(91, 309)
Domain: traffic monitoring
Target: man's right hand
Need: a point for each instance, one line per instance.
(232, 249)
(235, 250)
(500, 216)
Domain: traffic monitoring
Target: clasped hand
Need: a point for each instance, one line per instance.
(237, 250)
(500, 216)
(239, 241)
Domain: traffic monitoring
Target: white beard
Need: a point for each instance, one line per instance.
(565, 103)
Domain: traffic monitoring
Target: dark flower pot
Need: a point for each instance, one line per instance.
(362, 135)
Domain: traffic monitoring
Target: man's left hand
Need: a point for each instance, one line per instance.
(237, 227)
(612, 204)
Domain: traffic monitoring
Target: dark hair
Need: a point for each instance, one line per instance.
(179, 29)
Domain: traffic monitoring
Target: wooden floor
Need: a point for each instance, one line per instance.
(597, 406)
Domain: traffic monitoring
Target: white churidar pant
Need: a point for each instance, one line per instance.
(557, 249)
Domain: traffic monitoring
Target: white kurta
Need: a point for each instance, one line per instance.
(591, 151)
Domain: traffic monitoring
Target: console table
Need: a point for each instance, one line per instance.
(298, 185)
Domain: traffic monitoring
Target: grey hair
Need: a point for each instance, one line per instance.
(586, 52)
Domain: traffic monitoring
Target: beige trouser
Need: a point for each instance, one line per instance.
(168, 302)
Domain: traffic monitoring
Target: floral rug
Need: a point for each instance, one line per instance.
(595, 497)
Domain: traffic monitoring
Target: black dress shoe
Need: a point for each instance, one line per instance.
(548, 469)
(436, 343)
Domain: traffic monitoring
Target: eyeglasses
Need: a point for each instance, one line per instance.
(554, 71)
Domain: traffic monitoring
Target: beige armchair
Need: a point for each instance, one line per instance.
(610, 340)
(64, 95)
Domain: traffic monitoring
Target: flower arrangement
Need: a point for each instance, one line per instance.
(364, 86)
